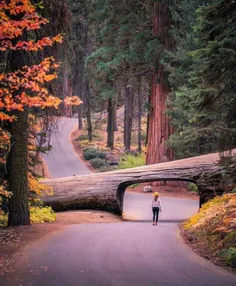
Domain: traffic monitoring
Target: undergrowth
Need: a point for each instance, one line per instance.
(131, 161)
(214, 229)
(37, 215)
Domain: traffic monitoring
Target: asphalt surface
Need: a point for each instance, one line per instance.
(138, 207)
(61, 159)
(117, 254)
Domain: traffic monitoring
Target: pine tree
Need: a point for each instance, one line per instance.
(200, 88)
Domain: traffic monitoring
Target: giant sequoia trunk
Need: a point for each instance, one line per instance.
(128, 117)
(17, 162)
(159, 128)
(105, 191)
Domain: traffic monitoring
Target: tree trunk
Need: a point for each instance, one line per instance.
(105, 191)
(64, 91)
(159, 128)
(128, 117)
(17, 161)
(88, 112)
(115, 128)
(17, 166)
(139, 117)
(148, 118)
(80, 117)
(110, 124)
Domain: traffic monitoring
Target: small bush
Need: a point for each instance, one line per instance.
(98, 163)
(192, 187)
(37, 215)
(92, 153)
(229, 256)
(131, 161)
(41, 215)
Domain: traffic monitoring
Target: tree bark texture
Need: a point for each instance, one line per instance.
(115, 128)
(139, 117)
(128, 117)
(105, 191)
(17, 166)
(88, 112)
(159, 128)
(110, 124)
(79, 87)
(17, 161)
(80, 116)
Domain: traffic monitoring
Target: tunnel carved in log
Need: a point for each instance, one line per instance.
(105, 191)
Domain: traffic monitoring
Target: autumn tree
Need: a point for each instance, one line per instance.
(23, 88)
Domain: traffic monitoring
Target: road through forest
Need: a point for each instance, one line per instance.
(131, 253)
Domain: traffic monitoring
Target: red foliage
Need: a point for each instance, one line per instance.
(30, 80)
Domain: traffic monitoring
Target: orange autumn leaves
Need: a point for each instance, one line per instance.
(26, 87)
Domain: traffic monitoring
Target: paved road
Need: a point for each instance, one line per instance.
(118, 254)
(138, 207)
(61, 160)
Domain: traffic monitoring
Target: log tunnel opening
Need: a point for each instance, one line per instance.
(177, 203)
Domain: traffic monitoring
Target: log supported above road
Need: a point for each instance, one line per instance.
(105, 191)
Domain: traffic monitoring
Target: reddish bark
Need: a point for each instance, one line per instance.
(159, 128)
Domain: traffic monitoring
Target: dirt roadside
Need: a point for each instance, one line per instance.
(16, 240)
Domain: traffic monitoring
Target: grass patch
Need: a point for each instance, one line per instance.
(131, 161)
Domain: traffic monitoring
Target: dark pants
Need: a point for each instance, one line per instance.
(155, 211)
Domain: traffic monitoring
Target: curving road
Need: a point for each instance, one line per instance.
(118, 254)
(61, 160)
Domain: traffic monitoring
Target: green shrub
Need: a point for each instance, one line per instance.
(98, 163)
(131, 161)
(229, 239)
(229, 256)
(92, 153)
(192, 187)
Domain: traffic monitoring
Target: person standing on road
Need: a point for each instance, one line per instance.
(156, 207)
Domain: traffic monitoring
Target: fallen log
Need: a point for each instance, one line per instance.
(105, 191)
